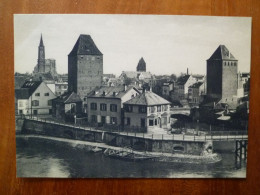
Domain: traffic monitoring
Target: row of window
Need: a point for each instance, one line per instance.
(113, 120)
(103, 107)
(37, 103)
(45, 94)
(230, 63)
(142, 109)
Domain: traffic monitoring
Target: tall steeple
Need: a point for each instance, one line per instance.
(41, 42)
(41, 56)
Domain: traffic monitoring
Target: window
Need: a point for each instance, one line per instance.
(20, 111)
(103, 107)
(37, 94)
(49, 102)
(103, 119)
(73, 108)
(142, 109)
(155, 121)
(93, 106)
(128, 121)
(113, 120)
(152, 109)
(113, 108)
(20, 104)
(128, 108)
(93, 118)
(151, 122)
(46, 94)
(35, 112)
(35, 103)
(158, 108)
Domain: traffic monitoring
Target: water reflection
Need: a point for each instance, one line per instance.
(44, 158)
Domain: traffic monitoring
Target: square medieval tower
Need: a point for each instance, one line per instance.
(222, 79)
(85, 66)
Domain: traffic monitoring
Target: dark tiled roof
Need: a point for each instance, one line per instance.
(31, 86)
(111, 92)
(196, 85)
(68, 98)
(85, 46)
(222, 53)
(147, 98)
(22, 93)
(183, 79)
(19, 81)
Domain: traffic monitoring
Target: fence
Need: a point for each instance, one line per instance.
(214, 135)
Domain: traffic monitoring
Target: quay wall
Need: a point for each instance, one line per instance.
(114, 139)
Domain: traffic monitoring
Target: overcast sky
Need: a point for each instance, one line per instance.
(168, 44)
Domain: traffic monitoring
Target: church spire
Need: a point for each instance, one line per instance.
(41, 41)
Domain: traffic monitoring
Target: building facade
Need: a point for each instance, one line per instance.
(34, 97)
(105, 104)
(67, 106)
(85, 66)
(147, 111)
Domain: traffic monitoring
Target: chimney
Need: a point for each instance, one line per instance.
(187, 71)
(125, 87)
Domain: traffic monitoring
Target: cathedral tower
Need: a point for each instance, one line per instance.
(85, 66)
(41, 57)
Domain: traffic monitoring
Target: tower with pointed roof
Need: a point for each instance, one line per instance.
(44, 65)
(222, 74)
(85, 66)
(41, 57)
(141, 67)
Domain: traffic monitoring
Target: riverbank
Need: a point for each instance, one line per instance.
(158, 156)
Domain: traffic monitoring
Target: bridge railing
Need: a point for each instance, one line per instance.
(213, 135)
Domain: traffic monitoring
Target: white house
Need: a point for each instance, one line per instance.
(34, 97)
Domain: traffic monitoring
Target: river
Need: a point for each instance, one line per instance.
(48, 158)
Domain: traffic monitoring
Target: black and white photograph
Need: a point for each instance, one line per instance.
(131, 96)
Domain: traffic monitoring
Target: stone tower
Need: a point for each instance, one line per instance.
(85, 66)
(222, 74)
(141, 67)
(41, 57)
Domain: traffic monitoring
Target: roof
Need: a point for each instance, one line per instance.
(85, 46)
(196, 85)
(111, 92)
(19, 81)
(69, 97)
(135, 74)
(222, 53)
(31, 86)
(141, 66)
(148, 98)
(22, 93)
(183, 79)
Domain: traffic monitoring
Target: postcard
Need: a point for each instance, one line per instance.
(131, 96)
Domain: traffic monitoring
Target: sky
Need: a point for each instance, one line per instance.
(169, 44)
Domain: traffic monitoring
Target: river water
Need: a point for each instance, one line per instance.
(48, 158)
